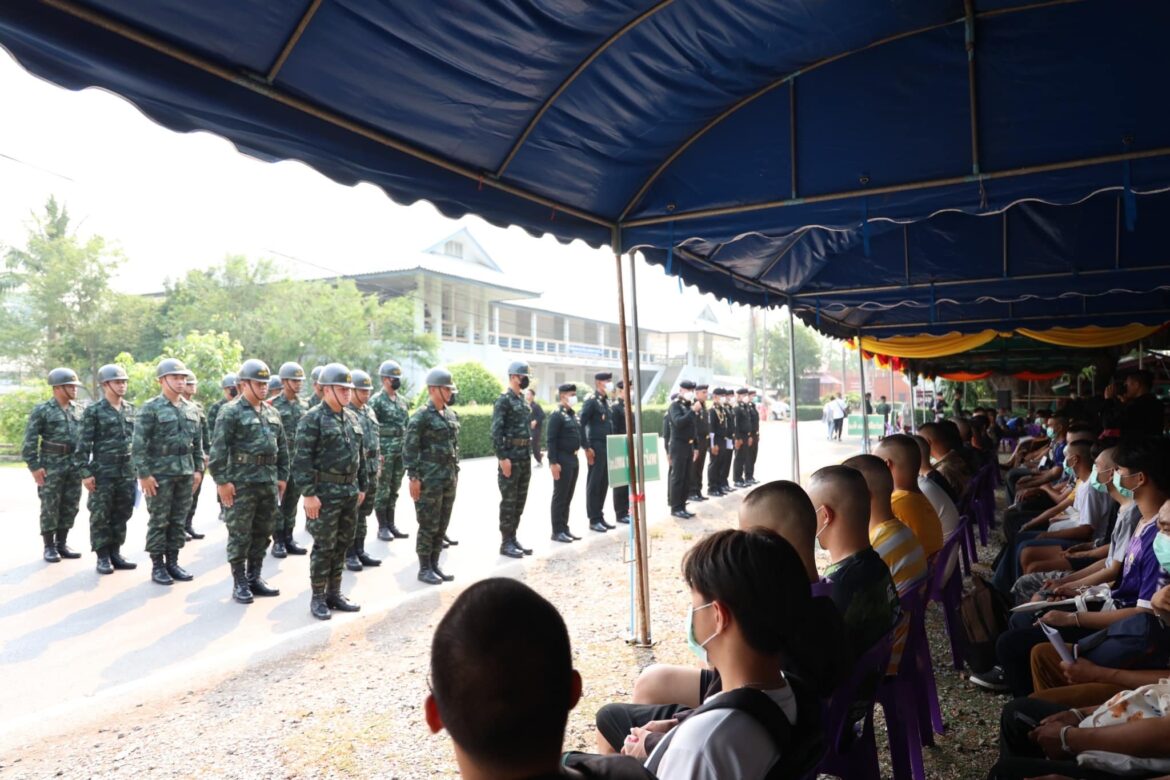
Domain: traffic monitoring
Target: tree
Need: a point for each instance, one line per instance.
(772, 354)
(476, 384)
(209, 355)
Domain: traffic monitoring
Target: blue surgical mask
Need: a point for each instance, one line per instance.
(1162, 551)
(1051, 432)
(1121, 489)
(697, 647)
(1069, 471)
(1095, 483)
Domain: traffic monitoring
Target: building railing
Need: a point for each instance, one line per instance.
(564, 349)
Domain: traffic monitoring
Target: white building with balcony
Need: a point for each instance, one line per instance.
(482, 314)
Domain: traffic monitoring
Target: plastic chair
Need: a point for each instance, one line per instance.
(910, 698)
(948, 590)
(822, 587)
(848, 718)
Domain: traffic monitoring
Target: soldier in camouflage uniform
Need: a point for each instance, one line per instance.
(249, 459)
(330, 468)
(189, 391)
(166, 449)
(275, 385)
(511, 443)
(103, 460)
(50, 439)
(356, 557)
(392, 414)
(430, 453)
(291, 408)
(315, 398)
(230, 391)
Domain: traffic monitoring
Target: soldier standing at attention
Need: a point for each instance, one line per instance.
(249, 457)
(166, 448)
(356, 557)
(742, 435)
(430, 453)
(535, 424)
(598, 423)
(274, 388)
(50, 440)
(725, 456)
(683, 412)
(314, 375)
(228, 386)
(511, 443)
(330, 468)
(716, 433)
(753, 442)
(702, 434)
(564, 439)
(392, 414)
(291, 409)
(189, 391)
(621, 495)
(103, 460)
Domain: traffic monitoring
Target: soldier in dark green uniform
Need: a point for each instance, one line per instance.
(702, 434)
(564, 440)
(103, 460)
(682, 412)
(742, 434)
(753, 442)
(430, 453)
(249, 460)
(621, 495)
(274, 388)
(50, 440)
(291, 408)
(228, 385)
(717, 435)
(314, 375)
(189, 391)
(330, 469)
(511, 444)
(356, 558)
(596, 420)
(165, 451)
(392, 414)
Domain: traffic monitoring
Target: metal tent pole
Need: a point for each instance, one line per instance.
(913, 406)
(1141, 355)
(893, 398)
(792, 403)
(864, 416)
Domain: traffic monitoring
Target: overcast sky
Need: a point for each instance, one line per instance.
(178, 201)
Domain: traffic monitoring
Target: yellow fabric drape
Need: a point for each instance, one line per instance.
(1090, 336)
(925, 346)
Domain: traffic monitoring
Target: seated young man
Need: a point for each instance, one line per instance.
(496, 632)
(903, 457)
(945, 448)
(934, 487)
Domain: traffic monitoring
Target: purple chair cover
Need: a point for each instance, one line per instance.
(948, 591)
(822, 587)
(848, 718)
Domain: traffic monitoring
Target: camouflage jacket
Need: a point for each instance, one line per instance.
(213, 411)
(392, 414)
(204, 435)
(50, 437)
(510, 432)
(167, 439)
(106, 435)
(314, 400)
(369, 438)
(430, 450)
(248, 445)
(291, 413)
(329, 458)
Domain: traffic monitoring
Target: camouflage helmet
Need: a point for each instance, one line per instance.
(255, 371)
(440, 377)
(111, 372)
(170, 367)
(291, 370)
(63, 376)
(274, 384)
(518, 367)
(390, 369)
(361, 380)
(316, 373)
(191, 378)
(335, 375)
(229, 380)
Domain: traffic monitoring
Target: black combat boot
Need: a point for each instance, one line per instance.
(435, 568)
(317, 606)
(518, 543)
(64, 550)
(394, 529)
(366, 559)
(509, 548)
(190, 529)
(278, 548)
(240, 590)
(103, 561)
(158, 571)
(176, 571)
(291, 545)
(352, 562)
(448, 541)
(120, 563)
(384, 534)
(51, 554)
(335, 601)
(256, 583)
(426, 573)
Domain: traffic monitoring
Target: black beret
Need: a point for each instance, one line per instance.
(742, 391)
(674, 396)
(621, 383)
(603, 376)
(567, 388)
(686, 384)
(702, 387)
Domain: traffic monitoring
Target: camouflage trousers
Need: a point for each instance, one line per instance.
(389, 482)
(332, 533)
(286, 513)
(168, 514)
(60, 499)
(363, 511)
(433, 510)
(513, 494)
(249, 521)
(110, 506)
(195, 499)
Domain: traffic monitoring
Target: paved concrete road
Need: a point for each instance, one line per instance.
(74, 643)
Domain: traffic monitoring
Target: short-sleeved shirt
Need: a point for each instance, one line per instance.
(915, 511)
(864, 593)
(1141, 574)
(1127, 520)
(903, 556)
(1089, 507)
(944, 506)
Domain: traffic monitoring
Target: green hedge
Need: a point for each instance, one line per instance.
(806, 412)
(475, 427)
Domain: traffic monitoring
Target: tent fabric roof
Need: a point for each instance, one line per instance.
(764, 151)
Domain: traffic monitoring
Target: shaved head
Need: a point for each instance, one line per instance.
(844, 490)
(904, 457)
(785, 508)
(877, 475)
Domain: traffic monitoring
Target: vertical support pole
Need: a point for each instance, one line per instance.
(637, 482)
(792, 399)
(864, 416)
(893, 397)
(1029, 396)
(844, 371)
(1141, 354)
(913, 379)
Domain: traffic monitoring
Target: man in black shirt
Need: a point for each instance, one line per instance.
(702, 434)
(683, 413)
(564, 440)
(597, 420)
(621, 495)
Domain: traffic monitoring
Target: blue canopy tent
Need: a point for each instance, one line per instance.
(892, 166)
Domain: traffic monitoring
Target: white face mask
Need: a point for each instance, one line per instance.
(571, 400)
(609, 387)
(688, 396)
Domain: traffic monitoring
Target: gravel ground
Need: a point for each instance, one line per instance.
(353, 708)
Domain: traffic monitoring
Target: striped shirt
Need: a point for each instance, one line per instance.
(906, 560)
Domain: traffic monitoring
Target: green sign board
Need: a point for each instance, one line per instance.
(617, 462)
(876, 425)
